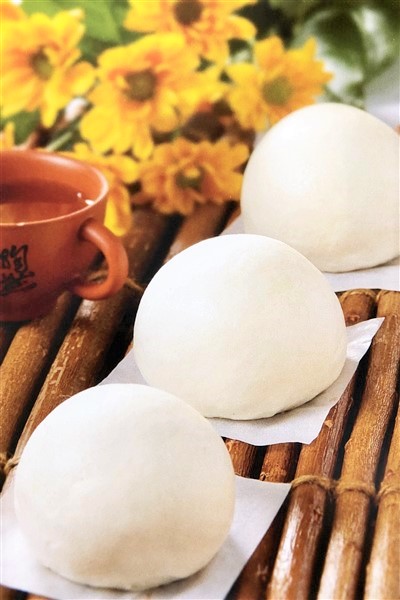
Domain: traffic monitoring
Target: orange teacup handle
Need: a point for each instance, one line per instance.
(114, 252)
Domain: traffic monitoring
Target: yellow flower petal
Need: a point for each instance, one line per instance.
(207, 25)
(118, 212)
(149, 85)
(41, 52)
(182, 174)
(278, 83)
(10, 11)
(118, 170)
(7, 136)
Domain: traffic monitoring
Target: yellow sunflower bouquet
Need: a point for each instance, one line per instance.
(164, 96)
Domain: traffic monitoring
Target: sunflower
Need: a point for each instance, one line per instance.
(278, 83)
(207, 25)
(147, 86)
(182, 174)
(39, 57)
(119, 171)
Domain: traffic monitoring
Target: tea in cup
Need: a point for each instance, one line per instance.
(51, 228)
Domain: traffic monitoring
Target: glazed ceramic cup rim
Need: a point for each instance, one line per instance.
(61, 160)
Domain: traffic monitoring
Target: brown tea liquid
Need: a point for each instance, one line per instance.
(38, 201)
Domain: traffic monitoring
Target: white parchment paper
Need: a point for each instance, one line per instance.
(256, 505)
(300, 424)
(383, 277)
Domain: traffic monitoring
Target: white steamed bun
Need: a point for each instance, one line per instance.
(241, 327)
(124, 486)
(325, 180)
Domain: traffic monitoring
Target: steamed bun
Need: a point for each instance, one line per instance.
(124, 486)
(240, 326)
(325, 180)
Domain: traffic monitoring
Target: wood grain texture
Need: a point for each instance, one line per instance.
(295, 567)
(25, 365)
(385, 554)
(278, 466)
(9, 594)
(343, 566)
(7, 332)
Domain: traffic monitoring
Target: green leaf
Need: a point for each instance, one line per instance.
(103, 21)
(266, 18)
(294, 9)
(356, 40)
(379, 28)
(49, 7)
(91, 48)
(339, 45)
(100, 22)
(25, 123)
(103, 18)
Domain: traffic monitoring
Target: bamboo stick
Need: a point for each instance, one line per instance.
(206, 222)
(7, 332)
(342, 573)
(385, 554)
(243, 456)
(294, 569)
(9, 594)
(357, 304)
(280, 462)
(25, 365)
(278, 466)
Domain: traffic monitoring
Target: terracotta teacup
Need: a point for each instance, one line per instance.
(51, 213)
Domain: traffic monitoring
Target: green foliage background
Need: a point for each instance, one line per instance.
(357, 39)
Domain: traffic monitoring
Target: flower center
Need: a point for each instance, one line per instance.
(41, 65)
(188, 11)
(278, 91)
(189, 178)
(141, 85)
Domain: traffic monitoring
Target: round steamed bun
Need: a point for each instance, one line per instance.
(124, 486)
(241, 327)
(325, 180)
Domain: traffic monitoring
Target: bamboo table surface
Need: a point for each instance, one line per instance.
(337, 536)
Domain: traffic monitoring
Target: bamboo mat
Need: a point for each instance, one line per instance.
(338, 534)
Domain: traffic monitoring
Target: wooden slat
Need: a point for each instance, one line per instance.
(7, 332)
(296, 562)
(25, 366)
(206, 222)
(278, 466)
(383, 572)
(8, 594)
(243, 457)
(343, 566)
(317, 460)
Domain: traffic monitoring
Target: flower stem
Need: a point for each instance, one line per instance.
(59, 142)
